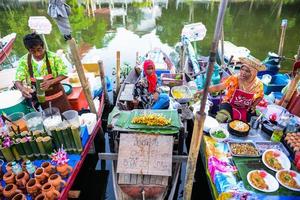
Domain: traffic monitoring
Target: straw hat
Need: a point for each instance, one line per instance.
(253, 62)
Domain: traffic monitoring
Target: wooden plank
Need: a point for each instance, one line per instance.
(133, 179)
(145, 154)
(146, 179)
(165, 180)
(121, 179)
(139, 179)
(158, 180)
(153, 180)
(114, 156)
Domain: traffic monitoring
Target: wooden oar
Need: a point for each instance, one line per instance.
(200, 116)
(282, 37)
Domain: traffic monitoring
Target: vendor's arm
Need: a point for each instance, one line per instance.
(214, 88)
(22, 76)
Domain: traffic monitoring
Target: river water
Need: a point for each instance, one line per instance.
(253, 24)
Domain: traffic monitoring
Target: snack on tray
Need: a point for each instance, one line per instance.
(244, 149)
(271, 159)
(287, 178)
(293, 141)
(151, 120)
(257, 179)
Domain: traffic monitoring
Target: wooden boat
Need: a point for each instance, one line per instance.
(140, 186)
(6, 45)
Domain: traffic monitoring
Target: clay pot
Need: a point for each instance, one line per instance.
(50, 169)
(56, 181)
(1, 191)
(9, 177)
(24, 165)
(41, 176)
(49, 191)
(33, 187)
(21, 180)
(8, 167)
(64, 170)
(40, 197)
(10, 191)
(19, 197)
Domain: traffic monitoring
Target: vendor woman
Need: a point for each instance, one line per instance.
(44, 64)
(146, 93)
(242, 92)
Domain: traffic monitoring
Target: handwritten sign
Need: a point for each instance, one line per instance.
(145, 154)
(40, 24)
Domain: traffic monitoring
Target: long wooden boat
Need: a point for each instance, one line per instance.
(134, 186)
(6, 46)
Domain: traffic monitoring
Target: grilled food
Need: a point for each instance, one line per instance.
(244, 149)
(151, 120)
(239, 126)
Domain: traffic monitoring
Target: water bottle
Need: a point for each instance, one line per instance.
(291, 127)
(30, 168)
(16, 168)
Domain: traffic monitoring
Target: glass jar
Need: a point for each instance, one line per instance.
(277, 134)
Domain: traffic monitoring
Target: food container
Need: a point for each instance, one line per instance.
(34, 121)
(172, 80)
(12, 101)
(52, 118)
(17, 118)
(235, 125)
(219, 134)
(243, 149)
(72, 117)
(181, 94)
(265, 145)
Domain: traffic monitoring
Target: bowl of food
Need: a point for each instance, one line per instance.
(181, 94)
(219, 134)
(238, 128)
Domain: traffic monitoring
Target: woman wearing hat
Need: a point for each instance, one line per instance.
(243, 91)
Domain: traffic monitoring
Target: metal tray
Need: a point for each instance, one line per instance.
(264, 145)
(243, 155)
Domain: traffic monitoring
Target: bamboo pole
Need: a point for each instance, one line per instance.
(103, 81)
(298, 54)
(200, 117)
(282, 37)
(291, 90)
(118, 73)
(81, 75)
(222, 47)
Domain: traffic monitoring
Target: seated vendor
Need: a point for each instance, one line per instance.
(40, 63)
(146, 93)
(243, 91)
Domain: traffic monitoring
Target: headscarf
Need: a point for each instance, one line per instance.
(152, 79)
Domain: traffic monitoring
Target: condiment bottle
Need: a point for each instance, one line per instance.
(16, 168)
(277, 134)
(30, 168)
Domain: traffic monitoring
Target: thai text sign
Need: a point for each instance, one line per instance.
(145, 154)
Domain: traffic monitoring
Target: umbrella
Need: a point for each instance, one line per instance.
(60, 11)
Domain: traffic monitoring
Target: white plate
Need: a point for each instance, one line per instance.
(210, 123)
(282, 158)
(212, 130)
(297, 178)
(269, 179)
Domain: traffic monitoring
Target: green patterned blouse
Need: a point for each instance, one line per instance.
(57, 66)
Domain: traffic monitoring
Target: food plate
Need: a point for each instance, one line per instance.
(276, 160)
(289, 179)
(262, 181)
(243, 149)
(219, 134)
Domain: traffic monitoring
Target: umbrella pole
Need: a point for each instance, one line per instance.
(118, 73)
(103, 81)
(282, 37)
(200, 117)
(81, 75)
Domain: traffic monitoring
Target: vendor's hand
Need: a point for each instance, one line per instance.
(46, 84)
(155, 96)
(26, 92)
(198, 94)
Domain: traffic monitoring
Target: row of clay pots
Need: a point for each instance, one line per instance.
(11, 191)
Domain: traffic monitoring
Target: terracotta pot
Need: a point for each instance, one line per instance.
(10, 191)
(50, 169)
(33, 187)
(9, 177)
(64, 170)
(40, 197)
(1, 191)
(8, 167)
(56, 181)
(19, 197)
(24, 165)
(41, 176)
(21, 180)
(49, 191)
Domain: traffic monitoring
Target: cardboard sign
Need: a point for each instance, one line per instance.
(145, 154)
(194, 32)
(40, 24)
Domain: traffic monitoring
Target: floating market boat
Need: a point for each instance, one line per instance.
(6, 45)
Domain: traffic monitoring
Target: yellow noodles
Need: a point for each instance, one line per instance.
(151, 120)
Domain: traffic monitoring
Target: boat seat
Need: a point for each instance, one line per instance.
(133, 179)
